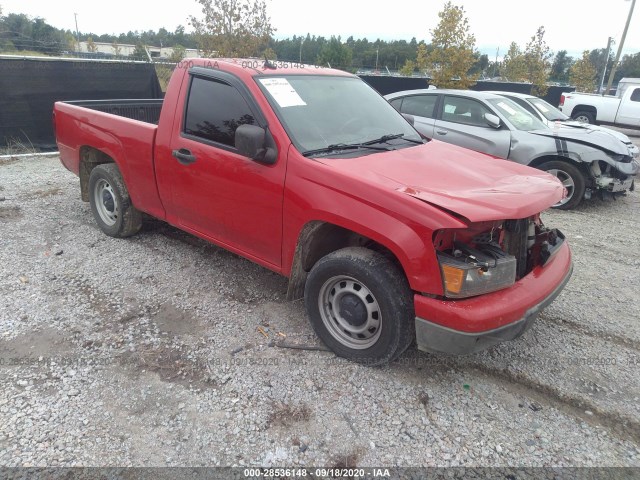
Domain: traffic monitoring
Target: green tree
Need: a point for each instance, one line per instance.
(629, 67)
(140, 53)
(537, 58)
(232, 28)
(408, 68)
(270, 54)
(422, 60)
(560, 67)
(514, 67)
(583, 74)
(91, 46)
(453, 49)
(336, 54)
(480, 64)
(177, 54)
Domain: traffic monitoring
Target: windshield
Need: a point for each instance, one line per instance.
(550, 112)
(516, 115)
(323, 111)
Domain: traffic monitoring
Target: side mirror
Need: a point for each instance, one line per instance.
(409, 118)
(250, 140)
(492, 120)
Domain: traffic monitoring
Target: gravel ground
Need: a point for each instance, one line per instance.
(162, 350)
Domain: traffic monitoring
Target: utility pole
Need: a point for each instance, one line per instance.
(624, 35)
(77, 33)
(495, 64)
(301, 42)
(377, 52)
(604, 68)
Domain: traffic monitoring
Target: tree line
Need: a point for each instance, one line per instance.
(243, 28)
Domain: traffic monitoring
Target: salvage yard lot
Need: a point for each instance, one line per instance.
(165, 350)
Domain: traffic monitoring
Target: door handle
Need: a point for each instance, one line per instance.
(442, 132)
(184, 156)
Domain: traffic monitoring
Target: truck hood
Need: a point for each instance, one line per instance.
(586, 136)
(473, 185)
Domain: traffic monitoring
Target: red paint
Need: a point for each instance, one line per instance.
(397, 198)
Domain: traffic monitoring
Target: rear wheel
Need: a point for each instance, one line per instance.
(572, 179)
(360, 305)
(584, 117)
(111, 204)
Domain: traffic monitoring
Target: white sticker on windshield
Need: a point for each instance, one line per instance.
(507, 108)
(282, 91)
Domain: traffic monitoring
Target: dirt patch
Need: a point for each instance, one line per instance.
(172, 364)
(10, 213)
(46, 193)
(285, 415)
(175, 321)
(48, 343)
(349, 460)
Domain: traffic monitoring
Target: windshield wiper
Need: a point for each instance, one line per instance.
(343, 146)
(386, 138)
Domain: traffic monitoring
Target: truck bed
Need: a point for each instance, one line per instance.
(124, 130)
(143, 110)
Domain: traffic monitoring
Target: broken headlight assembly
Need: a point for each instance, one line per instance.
(467, 272)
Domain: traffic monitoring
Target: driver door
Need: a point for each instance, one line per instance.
(462, 123)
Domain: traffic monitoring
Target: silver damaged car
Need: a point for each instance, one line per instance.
(584, 160)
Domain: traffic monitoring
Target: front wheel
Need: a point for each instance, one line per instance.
(360, 305)
(572, 179)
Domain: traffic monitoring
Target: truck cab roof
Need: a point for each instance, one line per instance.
(261, 66)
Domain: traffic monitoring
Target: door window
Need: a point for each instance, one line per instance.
(635, 96)
(419, 105)
(215, 110)
(464, 110)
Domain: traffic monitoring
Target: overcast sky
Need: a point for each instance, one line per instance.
(573, 25)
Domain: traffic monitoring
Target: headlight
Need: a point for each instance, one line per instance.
(471, 272)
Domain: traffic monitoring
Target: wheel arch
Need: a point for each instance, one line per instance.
(90, 157)
(585, 108)
(536, 162)
(319, 238)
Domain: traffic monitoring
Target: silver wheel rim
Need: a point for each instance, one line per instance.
(350, 312)
(567, 182)
(582, 119)
(106, 203)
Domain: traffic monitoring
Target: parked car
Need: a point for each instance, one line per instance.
(312, 174)
(584, 161)
(550, 115)
(622, 110)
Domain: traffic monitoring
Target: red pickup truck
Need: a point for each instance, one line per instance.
(312, 174)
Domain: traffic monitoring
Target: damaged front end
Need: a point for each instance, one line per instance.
(497, 277)
(491, 256)
(614, 176)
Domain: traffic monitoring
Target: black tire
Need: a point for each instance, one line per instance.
(110, 202)
(584, 117)
(365, 284)
(573, 179)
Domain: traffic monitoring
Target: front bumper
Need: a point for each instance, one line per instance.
(615, 185)
(474, 324)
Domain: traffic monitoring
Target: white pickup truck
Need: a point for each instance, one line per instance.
(622, 110)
